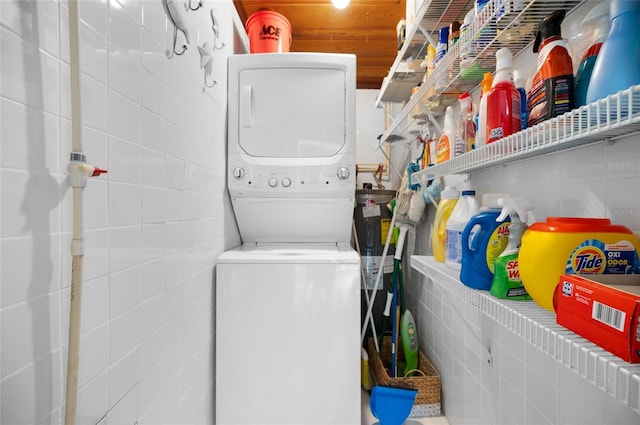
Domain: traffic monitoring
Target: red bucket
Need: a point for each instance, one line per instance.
(269, 32)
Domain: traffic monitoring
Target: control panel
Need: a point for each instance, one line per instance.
(271, 180)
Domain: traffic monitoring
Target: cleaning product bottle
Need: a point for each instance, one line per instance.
(507, 283)
(551, 92)
(448, 200)
(467, 125)
(446, 144)
(442, 75)
(617, 66)
(481, 125)
(598, 18)
(466, 207)
(519, 81)
(429, 98)
(483, 239)
(409, 338)
(503, 100)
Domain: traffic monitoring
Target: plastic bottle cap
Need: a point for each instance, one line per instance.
(468, 193)
(450, 193)
(443, 36)
(465, 101)
(503, 58)
(486, 82)
(518, 78)
(468, 18)
(598, 19)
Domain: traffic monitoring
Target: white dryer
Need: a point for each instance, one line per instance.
(288, 299)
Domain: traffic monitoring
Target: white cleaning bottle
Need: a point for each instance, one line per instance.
(466, 207)
(446, 144)
(481, 127)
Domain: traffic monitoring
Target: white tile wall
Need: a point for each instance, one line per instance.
(154, 224)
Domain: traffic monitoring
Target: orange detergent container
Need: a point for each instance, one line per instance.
(566, 245)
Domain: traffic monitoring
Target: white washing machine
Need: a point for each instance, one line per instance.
(288, 299)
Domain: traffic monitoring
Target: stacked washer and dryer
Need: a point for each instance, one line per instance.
(288, 299)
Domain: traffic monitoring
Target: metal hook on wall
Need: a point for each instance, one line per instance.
(187, 6)
(206, 63)
(177, 20)
(214, 27)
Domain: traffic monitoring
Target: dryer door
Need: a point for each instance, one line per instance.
(292, 112)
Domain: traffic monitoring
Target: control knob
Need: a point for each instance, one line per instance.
(238, 173)
(286, 182)
(273, 182)
(343, 173)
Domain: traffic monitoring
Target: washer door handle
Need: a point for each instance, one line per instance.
(245, 106)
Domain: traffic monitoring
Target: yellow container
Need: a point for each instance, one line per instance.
(448, 199)
(564, 245)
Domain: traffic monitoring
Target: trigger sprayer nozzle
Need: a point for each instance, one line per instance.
(519, 209)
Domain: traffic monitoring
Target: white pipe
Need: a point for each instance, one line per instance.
(78, 180)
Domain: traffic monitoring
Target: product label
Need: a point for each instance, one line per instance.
(444, 149)
(371, 265)
(504, 119)
(497, 243)
(552, 96)
(385, 223)
(596, 257)
(453, 249)
(513, 271)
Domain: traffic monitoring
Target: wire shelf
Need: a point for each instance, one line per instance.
(497, 25)
(538, 326)
(609, 118)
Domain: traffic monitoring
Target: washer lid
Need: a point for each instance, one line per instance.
(296, 253)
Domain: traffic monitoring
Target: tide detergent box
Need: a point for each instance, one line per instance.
(605, 309)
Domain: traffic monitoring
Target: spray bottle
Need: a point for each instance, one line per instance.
(598, 18)
(506, 277)
(551, 92)
(481, 124)
(503, 100)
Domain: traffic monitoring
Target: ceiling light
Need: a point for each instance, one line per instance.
(340, 4)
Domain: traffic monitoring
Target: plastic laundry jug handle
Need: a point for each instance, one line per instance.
(470, 249)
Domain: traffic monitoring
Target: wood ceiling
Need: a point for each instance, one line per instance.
(366, 28)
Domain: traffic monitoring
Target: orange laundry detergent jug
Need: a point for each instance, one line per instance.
(565, 245)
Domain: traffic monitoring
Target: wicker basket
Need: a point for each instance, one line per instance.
(427, 381)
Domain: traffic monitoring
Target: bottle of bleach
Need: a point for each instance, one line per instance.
(466, 207)
(483, 239)
(507, 283)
